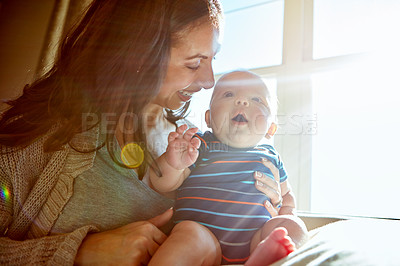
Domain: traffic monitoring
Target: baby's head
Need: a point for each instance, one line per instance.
(242, 110)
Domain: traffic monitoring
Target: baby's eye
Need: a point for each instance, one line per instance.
(228, 94)
(256, 99)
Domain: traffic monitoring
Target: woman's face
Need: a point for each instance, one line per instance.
(189, 69)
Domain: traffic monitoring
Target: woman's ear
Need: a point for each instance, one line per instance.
(208, 118)
(271, 131)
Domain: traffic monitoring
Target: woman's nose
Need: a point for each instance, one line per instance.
(242, 101)
(206, 77)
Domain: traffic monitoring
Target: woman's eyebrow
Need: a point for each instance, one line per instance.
(203, 56)
(197, 56)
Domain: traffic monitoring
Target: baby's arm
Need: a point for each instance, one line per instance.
(288, 199)
(173, 164)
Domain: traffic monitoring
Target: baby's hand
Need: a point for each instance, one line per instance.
(182, 148)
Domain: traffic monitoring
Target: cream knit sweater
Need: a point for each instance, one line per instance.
(34, 188)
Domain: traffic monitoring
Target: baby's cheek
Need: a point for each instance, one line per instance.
(261, 124)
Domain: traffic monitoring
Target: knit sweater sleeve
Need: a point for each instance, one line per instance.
(32, 192)
(52, 250)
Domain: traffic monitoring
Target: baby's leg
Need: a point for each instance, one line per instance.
(188, 244)
(276, 239)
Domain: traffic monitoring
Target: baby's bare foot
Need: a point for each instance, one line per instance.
(273, 248)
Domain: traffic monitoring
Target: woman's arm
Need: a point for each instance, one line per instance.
(133, 244)
(53, 250)
(288, 199)
(57, 249)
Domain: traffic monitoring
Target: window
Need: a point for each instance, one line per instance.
(353, 26)
(252, 36)
(334, 65)
(354, 160)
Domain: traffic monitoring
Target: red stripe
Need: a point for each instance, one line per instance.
(197, 136)
(235, 260)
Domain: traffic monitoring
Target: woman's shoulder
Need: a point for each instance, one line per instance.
(31, 158)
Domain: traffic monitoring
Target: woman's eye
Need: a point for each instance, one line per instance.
(228, 94)
(193, 67)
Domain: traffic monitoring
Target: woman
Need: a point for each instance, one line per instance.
(66, 195)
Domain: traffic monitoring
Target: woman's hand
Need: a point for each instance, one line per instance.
(132, 244)
(270, 187)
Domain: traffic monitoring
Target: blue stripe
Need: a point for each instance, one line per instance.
(224, 214)
(225, 228)
(226, 190)
(239, 244)
(247, 182)
(223, 173)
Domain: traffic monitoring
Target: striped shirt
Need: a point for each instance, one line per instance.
(220, 194)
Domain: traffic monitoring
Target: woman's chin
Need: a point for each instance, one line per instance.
(175, 106)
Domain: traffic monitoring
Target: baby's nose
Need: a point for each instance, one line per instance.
(242, 101)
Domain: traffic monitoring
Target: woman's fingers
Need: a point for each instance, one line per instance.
(271, 209)
(270, 187)
(272, 168)
(162, 219)
(140, 241)
(266, 183)
(152, 248)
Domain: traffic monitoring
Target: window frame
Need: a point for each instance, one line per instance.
(294, 78)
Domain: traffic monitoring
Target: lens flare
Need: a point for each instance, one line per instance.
(132, 155)
(4, 193)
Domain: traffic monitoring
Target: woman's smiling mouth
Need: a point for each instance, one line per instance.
(186, 95)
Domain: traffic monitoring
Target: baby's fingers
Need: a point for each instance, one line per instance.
(190, 133)
(172, 136)
(195, 142)
(181, 129)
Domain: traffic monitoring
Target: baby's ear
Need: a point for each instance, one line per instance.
(208, 118)
(271, 131)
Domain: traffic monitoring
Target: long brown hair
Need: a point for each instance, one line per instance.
(115, 58)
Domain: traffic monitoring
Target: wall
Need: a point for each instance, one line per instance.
(23, 27)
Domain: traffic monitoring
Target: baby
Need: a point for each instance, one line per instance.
(213, 176)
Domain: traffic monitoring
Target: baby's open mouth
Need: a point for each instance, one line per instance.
(239, 118)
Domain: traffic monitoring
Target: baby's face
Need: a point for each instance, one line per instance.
(239, 111)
